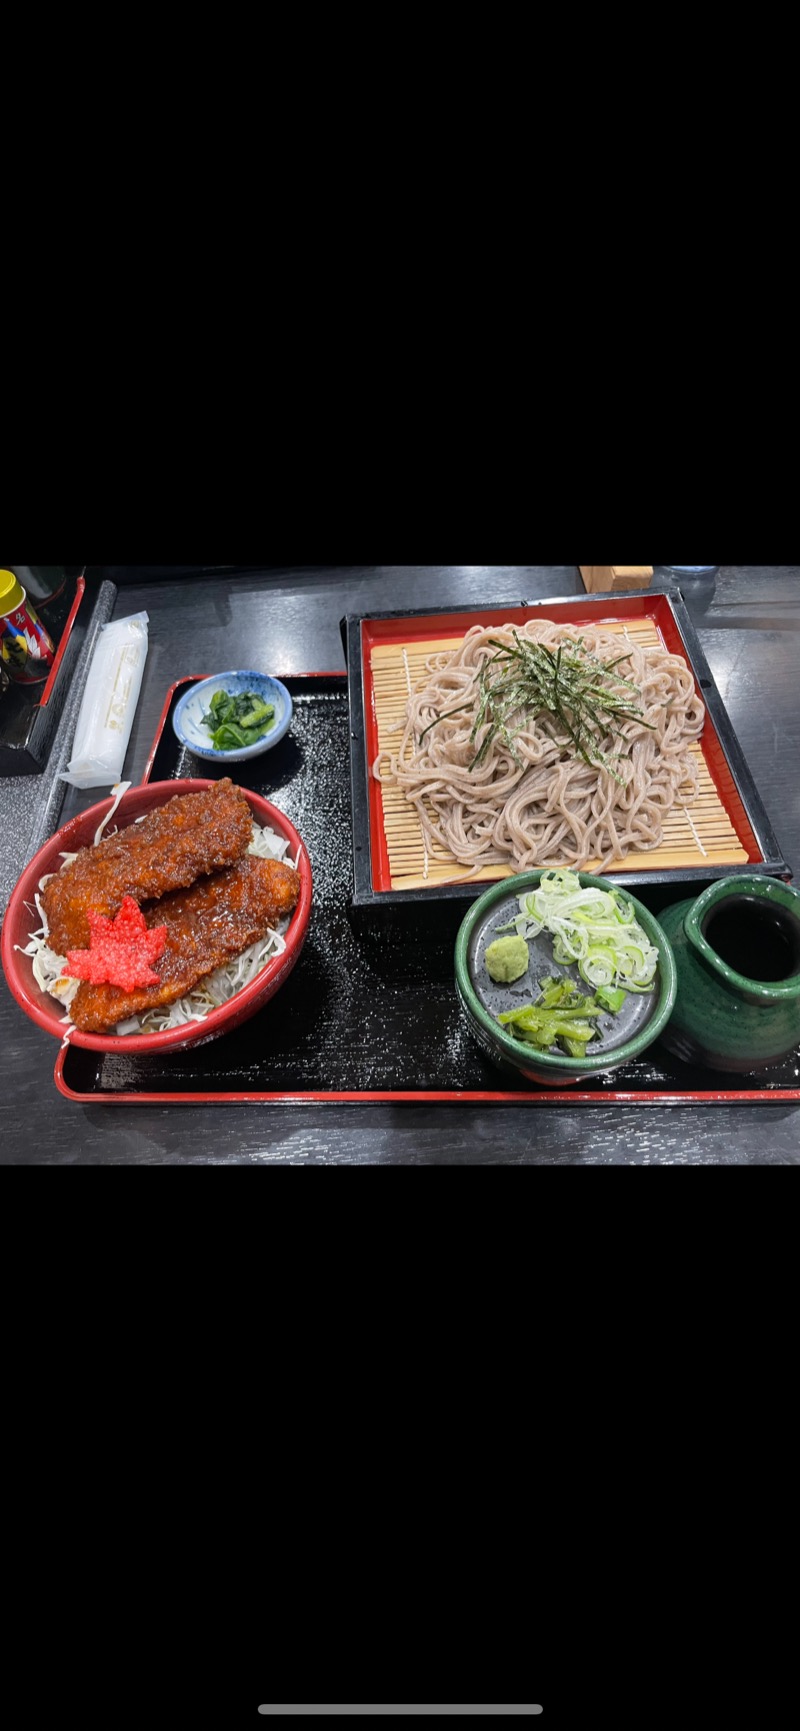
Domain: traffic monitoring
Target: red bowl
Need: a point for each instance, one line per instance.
(20, 920)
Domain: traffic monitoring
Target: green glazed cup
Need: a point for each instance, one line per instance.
(724, 1019)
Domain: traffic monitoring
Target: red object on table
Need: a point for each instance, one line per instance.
(121, 950)
(79, 832)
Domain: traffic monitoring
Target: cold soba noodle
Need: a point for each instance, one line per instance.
(587, 779)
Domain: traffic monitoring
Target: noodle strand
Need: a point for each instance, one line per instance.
(554, 810)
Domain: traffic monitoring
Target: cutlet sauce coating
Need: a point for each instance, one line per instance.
(207, 925)
(193, 834)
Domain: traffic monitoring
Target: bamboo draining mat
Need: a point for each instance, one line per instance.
(699, 835)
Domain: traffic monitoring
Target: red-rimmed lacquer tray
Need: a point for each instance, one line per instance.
(726, 832)
(370, 1013)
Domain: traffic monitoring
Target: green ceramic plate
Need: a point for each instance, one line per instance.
(622, 1036)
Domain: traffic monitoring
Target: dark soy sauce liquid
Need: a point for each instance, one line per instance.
(759, 939)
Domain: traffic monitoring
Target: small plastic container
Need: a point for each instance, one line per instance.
(28, 651)
(691, 570)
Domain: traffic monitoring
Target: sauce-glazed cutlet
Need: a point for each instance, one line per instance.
(193, 834)
(207, 925)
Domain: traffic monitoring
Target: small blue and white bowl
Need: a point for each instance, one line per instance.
(187, 720)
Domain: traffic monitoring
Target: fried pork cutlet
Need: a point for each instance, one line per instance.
(208, 924)
(194, 834)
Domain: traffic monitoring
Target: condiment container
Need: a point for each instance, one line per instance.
(737, 952)
(28, 651)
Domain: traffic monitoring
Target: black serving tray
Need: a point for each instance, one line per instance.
(665, 604)
(370, 1012)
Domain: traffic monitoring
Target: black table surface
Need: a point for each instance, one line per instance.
(748, 619)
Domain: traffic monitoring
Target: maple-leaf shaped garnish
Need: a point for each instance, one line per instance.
(121, 951)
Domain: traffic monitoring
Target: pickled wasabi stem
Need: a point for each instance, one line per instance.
(559, 1016)
(595, 928)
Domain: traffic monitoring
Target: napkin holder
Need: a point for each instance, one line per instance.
(29, 714)
(605, 579)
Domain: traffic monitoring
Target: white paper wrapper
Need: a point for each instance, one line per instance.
(109, 704)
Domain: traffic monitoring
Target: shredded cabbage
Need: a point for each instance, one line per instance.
(215, 989)
(592, 927)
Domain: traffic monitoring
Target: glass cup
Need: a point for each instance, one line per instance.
(41, 582)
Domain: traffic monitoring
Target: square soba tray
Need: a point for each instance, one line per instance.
(724, 831)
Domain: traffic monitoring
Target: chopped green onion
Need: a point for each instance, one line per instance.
(593, 928)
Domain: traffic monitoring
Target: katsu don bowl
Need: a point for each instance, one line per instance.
(212, 883)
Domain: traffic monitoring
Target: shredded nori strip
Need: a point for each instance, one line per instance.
(583, 694)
